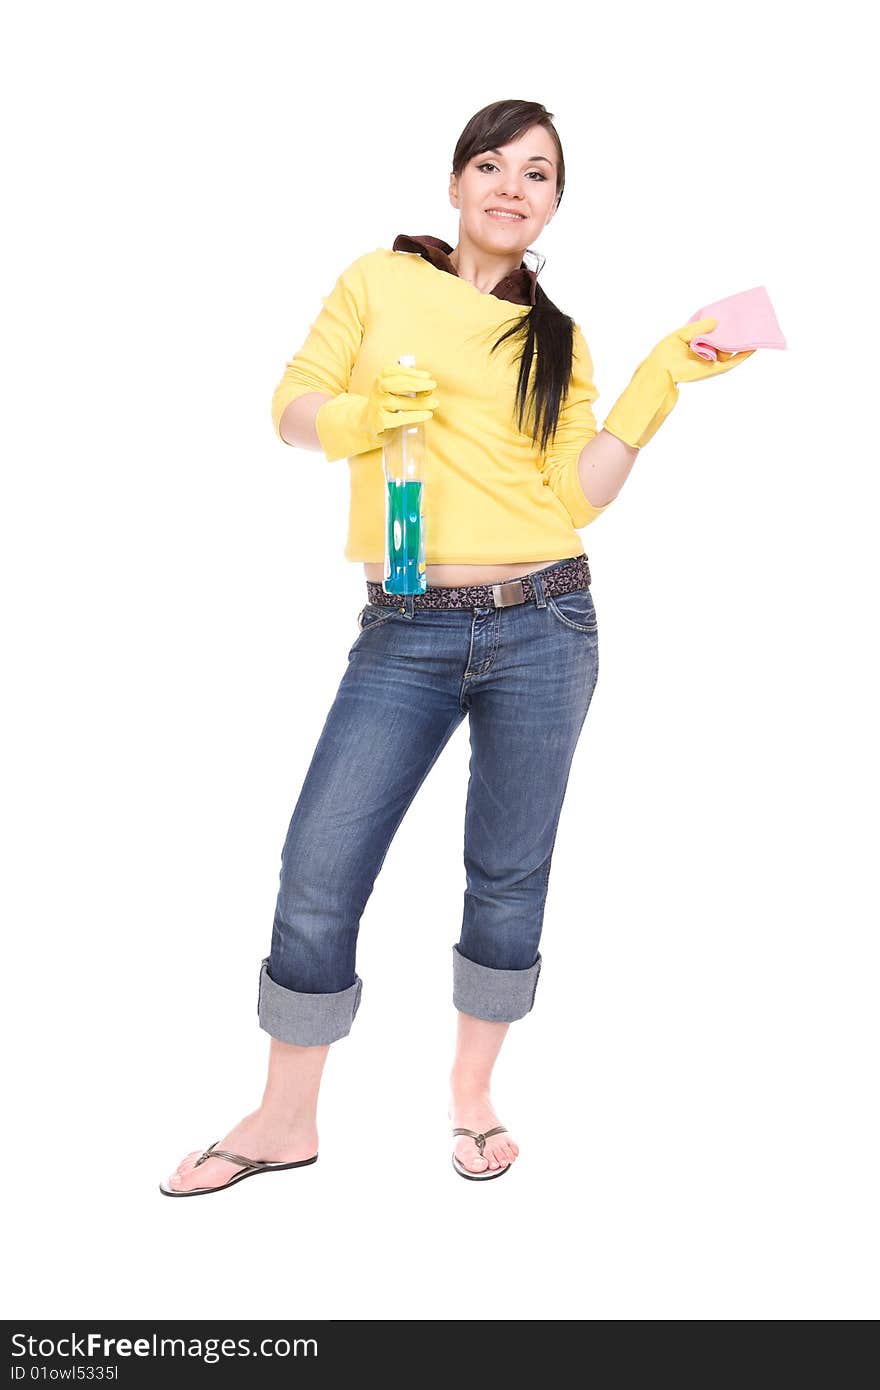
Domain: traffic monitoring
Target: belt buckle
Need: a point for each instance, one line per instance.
(503, 600)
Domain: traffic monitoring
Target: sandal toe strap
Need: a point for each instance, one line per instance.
(214, 1152)
(480, 1139)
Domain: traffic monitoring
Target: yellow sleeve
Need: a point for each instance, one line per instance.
(577, 426)
(325, 360)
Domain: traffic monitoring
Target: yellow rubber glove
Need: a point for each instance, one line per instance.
(351, 424)
(637, 415)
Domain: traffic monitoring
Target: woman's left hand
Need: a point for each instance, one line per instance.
(673, 354)
(639, 412)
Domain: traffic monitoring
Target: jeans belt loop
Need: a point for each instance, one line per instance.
(516, 593)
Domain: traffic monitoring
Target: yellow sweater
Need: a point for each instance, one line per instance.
(490, 496)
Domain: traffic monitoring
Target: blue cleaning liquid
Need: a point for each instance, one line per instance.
(404, 540)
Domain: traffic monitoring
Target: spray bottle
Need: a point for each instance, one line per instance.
(404, 459)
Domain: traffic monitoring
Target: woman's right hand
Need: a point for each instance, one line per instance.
(351, 423)
(390, 403)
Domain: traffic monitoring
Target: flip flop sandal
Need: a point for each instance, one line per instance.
(249, 1168)
(480, 1140)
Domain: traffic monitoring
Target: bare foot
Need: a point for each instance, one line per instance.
(473, 1110)
(258, 1136)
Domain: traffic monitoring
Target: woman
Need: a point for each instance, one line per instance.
(505, 634)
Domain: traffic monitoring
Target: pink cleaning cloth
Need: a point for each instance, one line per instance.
(745, 320)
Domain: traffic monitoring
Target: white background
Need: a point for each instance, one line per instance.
(694, 1092)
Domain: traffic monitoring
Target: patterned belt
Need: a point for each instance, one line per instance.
(562, 577)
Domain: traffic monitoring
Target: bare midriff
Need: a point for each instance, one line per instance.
(447, 575)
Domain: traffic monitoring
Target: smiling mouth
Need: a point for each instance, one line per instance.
(505, 216)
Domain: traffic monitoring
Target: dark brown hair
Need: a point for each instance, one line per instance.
(545, 325)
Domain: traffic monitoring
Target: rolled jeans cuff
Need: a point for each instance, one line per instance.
(308, 1020)
(500, 996)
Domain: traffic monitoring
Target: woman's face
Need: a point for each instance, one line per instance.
(519, 177)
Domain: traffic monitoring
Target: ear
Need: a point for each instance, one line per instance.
(453, 190)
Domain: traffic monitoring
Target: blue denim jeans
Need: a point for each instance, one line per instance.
(523, 676)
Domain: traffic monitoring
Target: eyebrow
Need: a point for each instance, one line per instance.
(534, 159)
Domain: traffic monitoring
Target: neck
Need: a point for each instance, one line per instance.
(481, 268)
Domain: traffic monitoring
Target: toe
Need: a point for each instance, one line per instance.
(181, 1182)
(472, 1161)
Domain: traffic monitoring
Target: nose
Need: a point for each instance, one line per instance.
(507, 191)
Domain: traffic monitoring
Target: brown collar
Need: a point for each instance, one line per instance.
(519, 286)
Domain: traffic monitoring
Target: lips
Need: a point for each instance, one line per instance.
(510, 214)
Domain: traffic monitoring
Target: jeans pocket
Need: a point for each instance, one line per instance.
(575, 609)
(374, 615)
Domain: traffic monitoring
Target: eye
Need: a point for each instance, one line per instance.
(542, 178)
